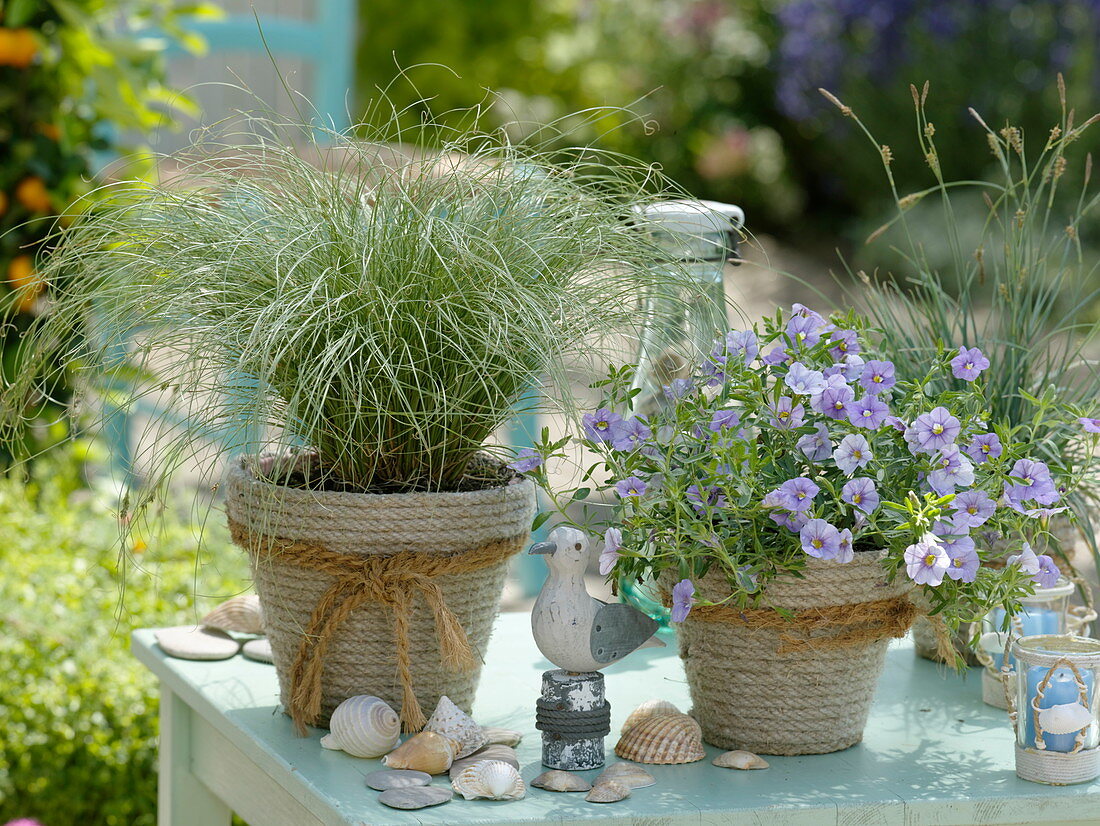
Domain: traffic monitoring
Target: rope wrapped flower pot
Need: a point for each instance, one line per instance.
(802, 684)
(392, 595)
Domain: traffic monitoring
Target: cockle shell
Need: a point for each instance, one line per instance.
(424, 752)
(490, 779)
(556, 780)
(502, 736)
(451, 721)
(665, 739)
(650, 708)
(363, 726)
(242, 614)
(1067, 718)
(629, 774)
(505, 754)
(738, 759)
(607, 792)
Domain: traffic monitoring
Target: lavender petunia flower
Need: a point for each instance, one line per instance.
(777, 355)
(969, 364)
(935, 429)
(804, 381)
(1026, 559)
(629, 434)
(714, 367)
(713, 498)
(1030, 480)
(820, 539)
(612, 541)
(630, 486)
(526, 460)
(984, 446)
(797, 494)
(950, 469)
(845, 343)
(816, 446)
(861, 492)
(1048, 574)
(868, 412)
(1041, 513)
(854, 451)
(598, 425)
(963, 561)
(845, 551)
(926, 562)
(833, 401)
(973, 508)
(683, 597)
(793, 522)
(723, 419)
(878, 376)
(898, 424)
(678, 388)
(803, 331)
(853, 368)
(743, 343)
(1089, 425)
(786, 415)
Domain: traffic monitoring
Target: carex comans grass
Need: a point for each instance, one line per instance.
(383, 303)
(1026, 293)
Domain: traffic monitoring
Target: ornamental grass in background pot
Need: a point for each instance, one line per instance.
(370, 319)
(798, 503)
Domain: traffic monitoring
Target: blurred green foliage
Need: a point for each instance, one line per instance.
(78, 718)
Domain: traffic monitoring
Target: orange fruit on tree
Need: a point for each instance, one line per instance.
(25, 282)
(32, 193)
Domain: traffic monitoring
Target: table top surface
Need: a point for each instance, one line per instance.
(933, 753)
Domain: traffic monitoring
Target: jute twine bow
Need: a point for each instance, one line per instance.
(386, 580)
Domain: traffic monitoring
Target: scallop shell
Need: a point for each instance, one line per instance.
(495, 752)
(738, 759)
(363, 726)
(425, 752)
(242, 614)
(1067, 718)
(607, 792)
(490, 779)
(667, 739)
(451, 721)
(650, 708)
(629, 774)
(556, 780)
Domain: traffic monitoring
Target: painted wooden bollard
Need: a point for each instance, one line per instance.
(574, 718)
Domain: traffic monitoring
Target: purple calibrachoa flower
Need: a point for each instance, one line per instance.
(612, 541)
(820, 539)
(1048, 574)
(935, 429)
(798, 494)
(1041, 513)
(629, 434)
(743, 343)
(714, 498)
(526, 460)
(845, 343)
(926, 562)
(845, 551)
(598, 425)
(950, 469)
(861, 493)
(678, 388)
(853, 368)
(868, 412)
(969, 364)
(793, 522)
(786, 415)
(816, 446)
(984, 446)
(683, 597)
(804, 381)
(723, 419)
(833, 401)
(963, 561)
(714, 366)
(1030, 480)
(1026, 559)
(630, 486)
(804, 331)
(973, 508)
(854, 451)
(878, 376)
(898, 424)
(1089, 425)
(777, 355)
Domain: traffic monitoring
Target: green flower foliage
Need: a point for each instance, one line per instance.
(78, 719)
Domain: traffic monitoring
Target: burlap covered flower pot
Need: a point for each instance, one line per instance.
(392, 595)
(772, 685)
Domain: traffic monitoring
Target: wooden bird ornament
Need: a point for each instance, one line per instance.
(573, 630)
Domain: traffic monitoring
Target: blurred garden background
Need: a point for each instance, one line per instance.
(722, 95)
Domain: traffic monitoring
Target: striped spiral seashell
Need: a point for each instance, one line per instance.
(242, 614)
(363, 726)
(665, 739)
(490, 779)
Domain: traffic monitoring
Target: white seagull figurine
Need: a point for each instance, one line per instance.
(576, 631)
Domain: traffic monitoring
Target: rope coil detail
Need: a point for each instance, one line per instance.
(574, 725)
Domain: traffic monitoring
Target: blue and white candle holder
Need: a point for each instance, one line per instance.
(1055, 708)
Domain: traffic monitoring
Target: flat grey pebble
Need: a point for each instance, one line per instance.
(396, 779)
(415, 797)
(191, 642)
(258, 650)
(502, 736)
(494, 752)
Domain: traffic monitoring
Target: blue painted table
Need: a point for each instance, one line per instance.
(933, 754)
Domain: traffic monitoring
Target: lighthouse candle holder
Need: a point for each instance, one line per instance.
(1055, 708)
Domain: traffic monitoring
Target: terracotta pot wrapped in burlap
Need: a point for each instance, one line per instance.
(773, 685)
(392, 595)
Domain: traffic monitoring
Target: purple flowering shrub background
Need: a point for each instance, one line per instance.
(796, 442)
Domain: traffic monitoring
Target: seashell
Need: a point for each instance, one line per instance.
(650, 708)
(505, 754)
(629, 774)
(1067, 718)
(425, 752)
(667, 739)
(242, 614)
(490, 779)
(387, 779)
(451, 721)
(258, 650)
(189, 642)
(415, 797)
(556, 780)
(609, 791)
(363, 726)
(502, 736)
(738, 759)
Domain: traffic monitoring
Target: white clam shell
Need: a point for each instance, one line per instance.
(628, 774)
(490, 779)
(1067, 718)
(451, 721)
(363, 726)
(738, 759)
(242, 614)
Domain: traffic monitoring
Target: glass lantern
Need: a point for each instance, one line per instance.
(1055, 708)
